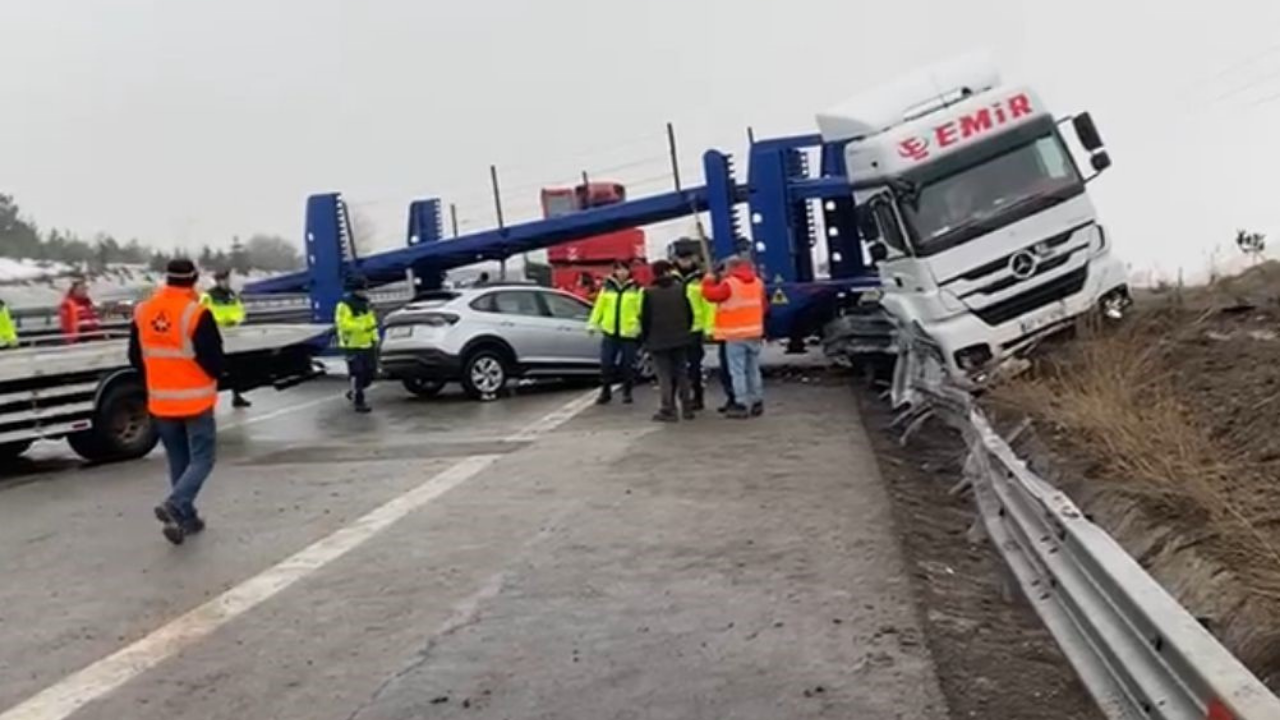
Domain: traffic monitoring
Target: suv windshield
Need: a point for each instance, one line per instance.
(990, 194)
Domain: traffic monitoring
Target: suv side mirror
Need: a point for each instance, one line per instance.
(879, 252)
(1087, 131)
(1100, 161)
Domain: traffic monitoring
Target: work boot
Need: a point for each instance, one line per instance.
(606, 396)
(757, 409)
(665, 416)
(363, 408)
(626, 396)
(240, 401)
(698, 400)
(168, 514)
(737, 412)
(689, 413)
(194, 526)
(729, 405)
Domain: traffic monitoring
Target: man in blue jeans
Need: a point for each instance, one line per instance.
(176, 346)
(739, 324)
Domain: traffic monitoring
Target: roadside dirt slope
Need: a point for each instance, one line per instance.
(1167, 430)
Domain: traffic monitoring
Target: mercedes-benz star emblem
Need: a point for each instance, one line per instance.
(1022, 265)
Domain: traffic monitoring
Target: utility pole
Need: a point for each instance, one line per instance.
(675, 157)
(497, 206)
(453, 217)
(751, 135)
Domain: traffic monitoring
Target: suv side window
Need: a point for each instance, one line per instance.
(484, 303)
(517, 302)
(566, 308)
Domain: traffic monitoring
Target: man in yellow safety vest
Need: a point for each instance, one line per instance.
(227, 308)
(8, 331)
(357, 327)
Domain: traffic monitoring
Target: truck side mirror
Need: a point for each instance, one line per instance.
(879, 252)
(1087, 131)
(1100, 161)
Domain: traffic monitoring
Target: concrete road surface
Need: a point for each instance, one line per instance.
(538, 557)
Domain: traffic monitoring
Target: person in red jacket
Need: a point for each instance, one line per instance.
(741, 304)
(78, 316)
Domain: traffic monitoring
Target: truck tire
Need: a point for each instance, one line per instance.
(485, 373)
(122, 427)
(423, 388)
(11, 450)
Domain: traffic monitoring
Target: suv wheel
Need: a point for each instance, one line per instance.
(422, 387)
(485, 374)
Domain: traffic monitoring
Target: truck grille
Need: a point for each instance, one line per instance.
(1034, 299)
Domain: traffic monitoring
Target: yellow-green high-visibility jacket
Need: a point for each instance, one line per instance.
(356, 330)
(703, 310)
(617, 309)
(227, 312)
(8, 331)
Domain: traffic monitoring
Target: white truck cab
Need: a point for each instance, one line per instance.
(976, 210)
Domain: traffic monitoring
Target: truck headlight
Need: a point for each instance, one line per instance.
(973, 357)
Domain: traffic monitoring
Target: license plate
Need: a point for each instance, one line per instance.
(1029, 326)
(400, 331)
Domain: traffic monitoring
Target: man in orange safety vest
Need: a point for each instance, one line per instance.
(739, 323)
(175, 344)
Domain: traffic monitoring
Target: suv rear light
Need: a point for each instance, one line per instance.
(438, 319)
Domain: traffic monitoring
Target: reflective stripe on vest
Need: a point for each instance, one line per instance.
(176, 384)
(741, 317)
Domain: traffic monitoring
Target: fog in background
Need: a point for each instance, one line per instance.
(187, 123)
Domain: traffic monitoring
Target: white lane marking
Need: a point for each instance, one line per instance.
(281, 412)
(552, 420)
(60, 700)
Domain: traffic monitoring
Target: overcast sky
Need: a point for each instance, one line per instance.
(189, 121)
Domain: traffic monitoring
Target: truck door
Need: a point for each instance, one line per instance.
(901, 271)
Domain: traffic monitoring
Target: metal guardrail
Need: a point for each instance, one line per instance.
(1139, 653)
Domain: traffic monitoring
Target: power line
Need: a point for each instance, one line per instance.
(1239, 64)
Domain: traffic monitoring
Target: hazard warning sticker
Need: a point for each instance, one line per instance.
(779, 297)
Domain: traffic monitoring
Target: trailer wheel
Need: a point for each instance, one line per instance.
(11, 450)
(122, 427)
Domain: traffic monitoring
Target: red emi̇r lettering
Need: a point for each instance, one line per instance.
(981, 121)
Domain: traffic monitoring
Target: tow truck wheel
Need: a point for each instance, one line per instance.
(11, 450)
(122, 427)
(422, 387)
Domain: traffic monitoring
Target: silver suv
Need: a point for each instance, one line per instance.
(484, 336)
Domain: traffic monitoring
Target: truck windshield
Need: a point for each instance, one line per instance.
(987, 195)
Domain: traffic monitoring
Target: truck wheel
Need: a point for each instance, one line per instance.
(11, 450)
(122, 427)
(485, 373)
(422, 387)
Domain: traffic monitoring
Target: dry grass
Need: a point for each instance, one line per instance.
(1111, 397)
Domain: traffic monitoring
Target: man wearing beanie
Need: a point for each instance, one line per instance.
(175, 344)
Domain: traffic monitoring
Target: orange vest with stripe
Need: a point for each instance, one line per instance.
(177, 387)
(741, 317)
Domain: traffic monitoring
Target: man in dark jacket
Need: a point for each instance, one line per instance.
(666, 327)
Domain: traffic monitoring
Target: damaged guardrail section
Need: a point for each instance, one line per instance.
(1139, 652)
